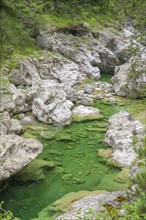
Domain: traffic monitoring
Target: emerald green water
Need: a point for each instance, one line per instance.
(74, 152)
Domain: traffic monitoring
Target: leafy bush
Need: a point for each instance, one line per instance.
(6, 215)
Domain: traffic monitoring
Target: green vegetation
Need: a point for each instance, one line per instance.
(6, 215)
(20, 21)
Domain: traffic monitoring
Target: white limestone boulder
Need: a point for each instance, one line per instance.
(124, 135)
(51, 106)
(15, 153)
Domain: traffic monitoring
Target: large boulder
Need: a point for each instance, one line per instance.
(108, 59)
(51, 106)
(123, 135)
(130, 78)
(15, 153)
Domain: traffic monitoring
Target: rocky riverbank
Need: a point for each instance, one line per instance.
(62, 85)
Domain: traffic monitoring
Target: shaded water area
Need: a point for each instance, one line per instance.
(77, 167)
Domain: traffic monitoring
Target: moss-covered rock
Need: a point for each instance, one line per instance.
(101, 130)
(78, 180)
(47, 135)
(83, 118)
(55, 152)
(105, 156)
(67, 177)
(35, 170)
(62, 205)
(63, 136)
(123, 176)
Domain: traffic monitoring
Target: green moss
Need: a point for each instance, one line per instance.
(136, 107)
(141, 116)
(111, 209)
(55, 152)
(106, 77)
(32, 130)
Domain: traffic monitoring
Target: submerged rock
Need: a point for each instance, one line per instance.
(67, 177)
(15, 153)
(34, 171)
(63, 136)
(82, 113)
(78, 180)
(123, 135)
